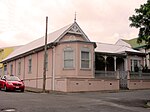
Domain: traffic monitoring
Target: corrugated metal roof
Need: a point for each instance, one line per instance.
(38, 43)
(112, 48)
(57, 35)
(122, 43)
(52, 37)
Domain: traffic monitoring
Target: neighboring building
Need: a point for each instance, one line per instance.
(116, 57)
(73, 64)
(112, 60)
(4, 52)
(140, 47)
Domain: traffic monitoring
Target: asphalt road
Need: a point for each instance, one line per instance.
(128, 101)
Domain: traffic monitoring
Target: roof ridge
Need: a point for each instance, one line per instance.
(111, 44)
(105, 43)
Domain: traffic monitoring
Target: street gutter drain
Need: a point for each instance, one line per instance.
(9, 110)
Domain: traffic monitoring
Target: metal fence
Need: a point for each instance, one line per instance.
(114, 74)
(139, 75)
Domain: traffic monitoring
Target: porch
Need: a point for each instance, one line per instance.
(127, 79)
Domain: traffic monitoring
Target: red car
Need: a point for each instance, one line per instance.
(12, 83)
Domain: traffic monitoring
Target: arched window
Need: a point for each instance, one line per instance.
(120, 64)
(99, 62)
(110, 63)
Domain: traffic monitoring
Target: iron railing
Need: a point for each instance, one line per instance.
(114, 74)
(139, 75)
(106, 74)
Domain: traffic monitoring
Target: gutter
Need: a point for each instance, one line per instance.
(136, 53)
(50, 45)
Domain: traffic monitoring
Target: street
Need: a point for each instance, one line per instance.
(123, 101)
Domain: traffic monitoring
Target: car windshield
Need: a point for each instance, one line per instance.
(12, 78)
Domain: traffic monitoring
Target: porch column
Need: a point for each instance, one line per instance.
(115, 64)
(105, 63)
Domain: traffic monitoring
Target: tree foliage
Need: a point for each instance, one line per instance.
(141, 20)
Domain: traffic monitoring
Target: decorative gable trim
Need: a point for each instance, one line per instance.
(73, 29)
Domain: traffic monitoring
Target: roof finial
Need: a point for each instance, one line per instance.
(75, 17)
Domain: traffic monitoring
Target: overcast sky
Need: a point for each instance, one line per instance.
(22, 21)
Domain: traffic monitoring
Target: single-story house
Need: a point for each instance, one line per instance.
(140, 47)
(74, 63)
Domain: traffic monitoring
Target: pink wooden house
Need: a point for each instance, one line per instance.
(72, 64)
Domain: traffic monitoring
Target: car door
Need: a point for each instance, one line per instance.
(2, 81)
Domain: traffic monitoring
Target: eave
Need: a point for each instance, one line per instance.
(36, 50)
(112, 54)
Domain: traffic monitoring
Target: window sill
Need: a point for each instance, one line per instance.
(86, 69)
(68, 68)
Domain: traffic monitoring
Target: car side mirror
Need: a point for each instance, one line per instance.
(4, 79)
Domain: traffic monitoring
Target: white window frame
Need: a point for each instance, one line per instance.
(68, 49)
(30, 64)
(89, 60)
(5, 69)
(132, 63)
(11, 69)
(19, 67)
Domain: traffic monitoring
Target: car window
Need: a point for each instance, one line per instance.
(12, 78)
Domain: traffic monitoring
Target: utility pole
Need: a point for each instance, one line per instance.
(45, 56)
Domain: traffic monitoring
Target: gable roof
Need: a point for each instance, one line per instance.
(122, 43)
(51, 38)
(114, 49)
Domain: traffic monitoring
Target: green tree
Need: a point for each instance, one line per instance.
(141, 20)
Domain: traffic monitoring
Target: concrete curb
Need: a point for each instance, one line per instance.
(37, 90)
(34, 90)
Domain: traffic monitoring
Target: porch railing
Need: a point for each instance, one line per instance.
(139, 75)
(115, 74)
(106, 74)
